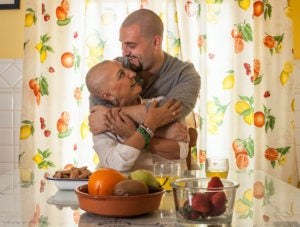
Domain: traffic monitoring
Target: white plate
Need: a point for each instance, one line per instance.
(67, 184)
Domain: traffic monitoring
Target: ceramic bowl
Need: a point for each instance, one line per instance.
(118, 206)
(67, 183)
(196, 204)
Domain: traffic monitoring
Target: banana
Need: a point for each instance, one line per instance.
(147, 177)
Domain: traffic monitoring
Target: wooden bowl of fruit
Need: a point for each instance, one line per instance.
(204, 200)
(109, 193)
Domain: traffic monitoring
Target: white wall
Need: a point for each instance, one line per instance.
(10, 110)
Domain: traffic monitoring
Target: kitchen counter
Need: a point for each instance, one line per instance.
(40, 203)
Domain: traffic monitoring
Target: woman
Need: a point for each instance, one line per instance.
(132, 146)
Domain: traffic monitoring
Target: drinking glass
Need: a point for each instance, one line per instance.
(216, 166)
(165, 172)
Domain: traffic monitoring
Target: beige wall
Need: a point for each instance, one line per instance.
(12, 27)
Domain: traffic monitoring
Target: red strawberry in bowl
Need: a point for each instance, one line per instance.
(200, 203)
(215, 182)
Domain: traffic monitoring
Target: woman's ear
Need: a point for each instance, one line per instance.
(106, 96)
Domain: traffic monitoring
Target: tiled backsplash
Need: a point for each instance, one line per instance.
(10, 110)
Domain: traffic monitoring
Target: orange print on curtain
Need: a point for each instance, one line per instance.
(62, 125)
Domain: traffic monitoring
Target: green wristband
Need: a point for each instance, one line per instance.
(144, 133)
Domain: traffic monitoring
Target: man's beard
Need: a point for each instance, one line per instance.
(127, 64)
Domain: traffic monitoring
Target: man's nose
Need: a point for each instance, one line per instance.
(125, 50)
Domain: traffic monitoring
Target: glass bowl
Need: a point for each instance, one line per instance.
(195, 203)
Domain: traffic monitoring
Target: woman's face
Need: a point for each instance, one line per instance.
(122, 84)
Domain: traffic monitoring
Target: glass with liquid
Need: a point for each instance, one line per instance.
(165, 172)
(216, 166)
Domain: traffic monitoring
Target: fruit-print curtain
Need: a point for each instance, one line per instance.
(241, 48)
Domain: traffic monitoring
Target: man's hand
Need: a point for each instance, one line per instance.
(160, 116)
(97, 119)
(119, 123)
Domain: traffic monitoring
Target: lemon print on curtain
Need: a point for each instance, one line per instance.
(215, 115)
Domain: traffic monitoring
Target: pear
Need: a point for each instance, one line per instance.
(147, 177)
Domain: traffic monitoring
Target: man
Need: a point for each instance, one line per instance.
(141, 35)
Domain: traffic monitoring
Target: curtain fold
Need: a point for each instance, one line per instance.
(241, 49)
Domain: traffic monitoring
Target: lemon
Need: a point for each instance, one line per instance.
(240, 207)
(37, 158)
(212, 128)
(96, 52)
(289, 12)
(241, 106)
(29, 19)
(248, 194)
(211, 107)
(216, 118)
(288, 67)
(293, 105)
(284, 77)
(39, 46)
(25, 174)
(43, 56)
(228, 82)
(25, 132)
(84, 130)
(249, 118)
(244, 4)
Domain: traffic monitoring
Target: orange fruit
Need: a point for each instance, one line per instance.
(271, 154)
(238, 147)
(258, 190)
(259, 119)
(60, 13)
(269, 42)
(67, 59)
(61, 126)
(102, 181)
(258, 8)
(238, 45)
(202, 156)
(242, 161)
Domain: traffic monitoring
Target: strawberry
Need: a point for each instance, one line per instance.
(267, 94)
(215, 182)
(218, 200)
(47, 132)
(200, 203)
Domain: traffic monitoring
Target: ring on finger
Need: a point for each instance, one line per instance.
(174, 113)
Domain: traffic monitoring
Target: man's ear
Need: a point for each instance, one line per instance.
(157, 40)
